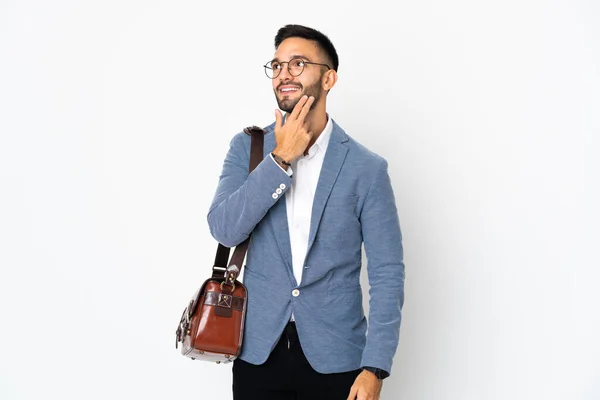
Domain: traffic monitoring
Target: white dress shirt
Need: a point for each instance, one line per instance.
(305, 172)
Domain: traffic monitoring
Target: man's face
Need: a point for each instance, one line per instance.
(288, 88)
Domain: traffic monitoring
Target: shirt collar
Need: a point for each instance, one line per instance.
(322, 141)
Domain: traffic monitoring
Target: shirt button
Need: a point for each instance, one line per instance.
(297, 226)
(278, 191)
(295, 293)
(275, 195)
(282, 186)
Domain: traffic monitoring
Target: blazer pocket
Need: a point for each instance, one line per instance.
(253, 274)
(345, 301)
(333, 289)
(339, 219)
(342, 203)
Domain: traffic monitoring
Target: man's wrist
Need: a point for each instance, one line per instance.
(283, 167)
(280, 160)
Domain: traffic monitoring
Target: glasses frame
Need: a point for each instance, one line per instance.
(267, 67)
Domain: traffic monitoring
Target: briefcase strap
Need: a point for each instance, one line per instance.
(220, 267)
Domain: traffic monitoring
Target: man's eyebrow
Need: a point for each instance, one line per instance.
(292, 57)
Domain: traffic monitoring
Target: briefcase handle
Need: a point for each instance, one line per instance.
(222, 270)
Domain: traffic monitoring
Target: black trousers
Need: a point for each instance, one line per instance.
(287, 375)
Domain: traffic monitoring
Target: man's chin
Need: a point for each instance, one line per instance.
(287, 105)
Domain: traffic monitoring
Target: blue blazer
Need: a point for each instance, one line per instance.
(354, 203)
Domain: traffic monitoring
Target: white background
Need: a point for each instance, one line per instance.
(115, 117)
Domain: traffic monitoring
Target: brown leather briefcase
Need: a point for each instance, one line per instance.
(212, 325)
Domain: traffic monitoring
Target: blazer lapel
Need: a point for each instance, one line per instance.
(332, 164)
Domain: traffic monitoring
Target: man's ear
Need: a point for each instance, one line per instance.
(329, 79)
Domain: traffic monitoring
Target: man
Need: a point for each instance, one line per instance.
(309, 205)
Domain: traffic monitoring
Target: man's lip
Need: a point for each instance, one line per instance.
(280, 90)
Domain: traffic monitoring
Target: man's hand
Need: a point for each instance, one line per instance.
(293, 137)
(366, 387)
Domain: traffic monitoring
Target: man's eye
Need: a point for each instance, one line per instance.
(298, 63)
(276, 66)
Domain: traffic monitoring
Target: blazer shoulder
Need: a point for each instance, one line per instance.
(239, 146)
(270, 129)
(242, 139)
(365, 156)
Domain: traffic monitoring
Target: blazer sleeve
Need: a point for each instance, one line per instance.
(385, 268)
(241, 199)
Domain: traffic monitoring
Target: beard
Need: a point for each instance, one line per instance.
(287, 104)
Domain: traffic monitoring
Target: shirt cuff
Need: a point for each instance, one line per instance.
(379, 373)
(289, 169)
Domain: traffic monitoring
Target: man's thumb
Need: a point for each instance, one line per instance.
(278, 119)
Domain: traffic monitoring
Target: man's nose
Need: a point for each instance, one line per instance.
(284, 74)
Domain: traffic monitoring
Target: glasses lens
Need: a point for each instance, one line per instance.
(272, 69)
(296, 66)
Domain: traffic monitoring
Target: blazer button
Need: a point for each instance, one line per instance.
(275, 195)
(282, 186)
(295, 293)
(278, 191)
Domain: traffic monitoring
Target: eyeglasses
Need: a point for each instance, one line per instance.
(295, 67)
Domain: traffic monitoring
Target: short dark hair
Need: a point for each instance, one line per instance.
(305, 32)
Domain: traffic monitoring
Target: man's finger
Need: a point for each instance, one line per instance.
(352, 395)
(305, 109)
(278, 120)
(298, 107)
